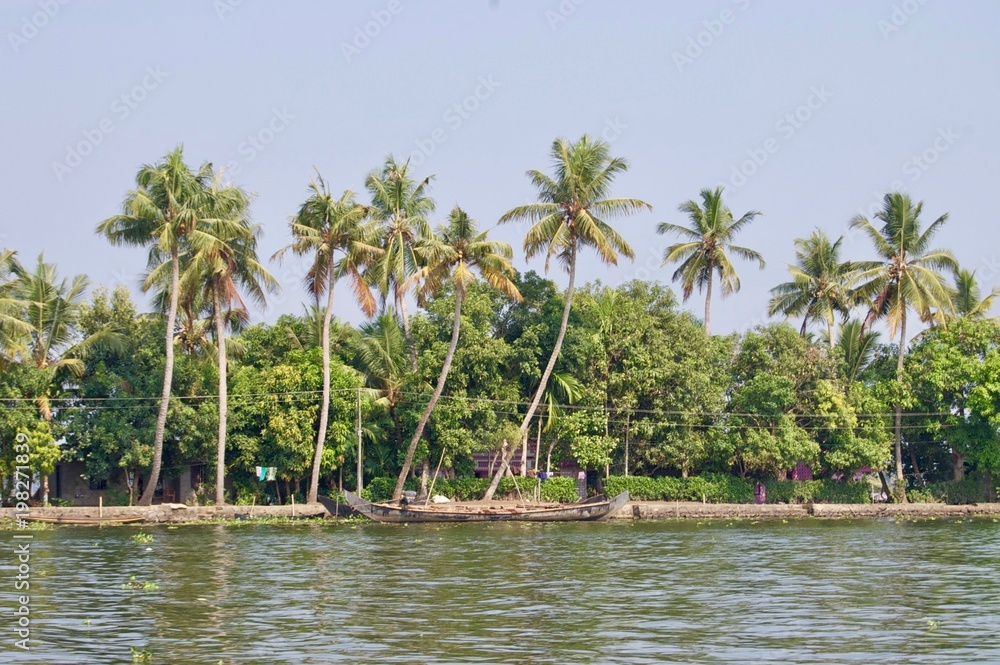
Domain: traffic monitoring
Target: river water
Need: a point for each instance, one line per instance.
(618, 592)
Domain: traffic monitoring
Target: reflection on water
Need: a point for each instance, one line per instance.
(623, 592)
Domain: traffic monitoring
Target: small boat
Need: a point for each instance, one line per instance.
(596, 508)
(82, 520)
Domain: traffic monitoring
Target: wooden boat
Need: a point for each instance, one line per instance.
(596, 508)
(82, 520)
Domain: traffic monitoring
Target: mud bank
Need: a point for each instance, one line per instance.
(658, 510)
(174, 512)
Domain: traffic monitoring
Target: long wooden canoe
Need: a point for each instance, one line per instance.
(82, 520)
(596, 508)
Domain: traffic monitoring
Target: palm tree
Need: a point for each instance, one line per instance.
(380, 355)
(223, 263)
(703, 255)
(967, 297)
(857, 346)
(905, 277)
(458, 250)
(401, 206)
(820, 286)
(52, 311)
(323, 227)
(160, 214)
(13, 328)
(568, 217)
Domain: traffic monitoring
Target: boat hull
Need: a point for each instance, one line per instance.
(588, 511)
(82, 520)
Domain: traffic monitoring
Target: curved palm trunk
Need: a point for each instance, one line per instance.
(397, 493)
(899, 406)
(324, 409)
(401, 308)
(708, 302)
(220, 464)
(829, 331)
(168, 376)
(543, 383)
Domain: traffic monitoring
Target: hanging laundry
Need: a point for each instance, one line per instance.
(272, 473)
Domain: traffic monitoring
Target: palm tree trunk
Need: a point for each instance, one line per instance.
(324, 409)
(805, 322)
(708, 303)
(438, 389)
(899, 406)
(829, 331)
(168, 376)
(220, 464)
(545, 377)
(405, 317)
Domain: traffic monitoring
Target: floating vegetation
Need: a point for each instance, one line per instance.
(141, 538)
(135, 585)
(144, 656)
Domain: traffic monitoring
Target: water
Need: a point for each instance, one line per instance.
(622, 592)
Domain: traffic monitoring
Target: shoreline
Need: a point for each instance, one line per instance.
(175, 513)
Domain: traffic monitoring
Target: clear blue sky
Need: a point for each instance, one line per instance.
(887, 81)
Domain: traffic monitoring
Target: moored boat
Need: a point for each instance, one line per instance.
(83, 520)
(596, 508)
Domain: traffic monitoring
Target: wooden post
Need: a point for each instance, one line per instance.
(627, 417)
(361, 482)
(293, 504)
(100, 506)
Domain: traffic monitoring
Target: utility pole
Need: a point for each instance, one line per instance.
(361, 483)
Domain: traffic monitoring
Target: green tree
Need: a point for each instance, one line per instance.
(704, 254)
(13, 327)
(225, 267)
(401, 205)
(856, 345)
(820, 285)
(905, 276)
(568, 217)
(945, 367)
(160, 214)
(967, 298)
(55, 346)
(380, 355)
(454, 256)
(335, 234)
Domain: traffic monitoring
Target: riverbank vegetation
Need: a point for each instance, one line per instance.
(620, 379)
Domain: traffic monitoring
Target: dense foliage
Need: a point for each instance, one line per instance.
(626, 383)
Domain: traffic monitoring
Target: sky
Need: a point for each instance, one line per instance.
(807, 112)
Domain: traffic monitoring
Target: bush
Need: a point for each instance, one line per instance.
(832, 491)
(712, 488)
(380, 489)
(957, 492)
(562, 490)
(922, 496)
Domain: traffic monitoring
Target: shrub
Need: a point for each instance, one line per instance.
(562, 490)
(832, 491)
(957, 492)
(712, 488)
